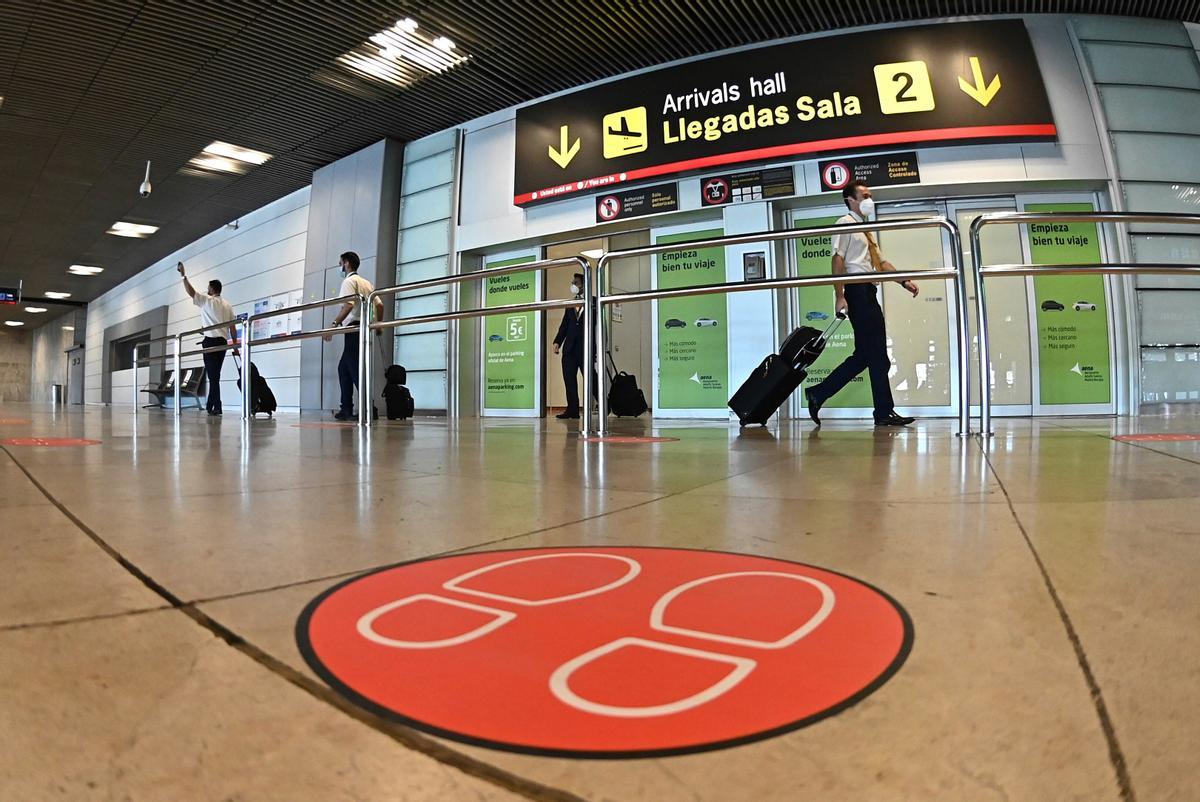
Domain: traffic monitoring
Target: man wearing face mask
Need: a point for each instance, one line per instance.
(569, 343)
(855, 254)
(352, 284)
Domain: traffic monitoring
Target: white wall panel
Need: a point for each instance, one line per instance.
(263, 257)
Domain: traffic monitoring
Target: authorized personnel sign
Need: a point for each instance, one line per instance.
(858, 92)
(604, 652)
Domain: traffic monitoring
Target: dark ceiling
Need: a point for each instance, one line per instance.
(92, 90)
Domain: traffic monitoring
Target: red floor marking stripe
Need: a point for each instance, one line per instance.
(1157, 438)
(48, 442)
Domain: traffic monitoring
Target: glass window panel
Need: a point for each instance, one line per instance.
(432, 204)
(1157, 157)
(1170, 375)
(422, 351)
(1145, 108)
(424, 242)
(427, 173)
(1169, 317)
(428, 146)
(1171, 249)
(428, 389)
(1174, 197)
(1143, 65)
(1131, 29)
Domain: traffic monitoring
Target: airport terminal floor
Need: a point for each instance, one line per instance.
(874, 614)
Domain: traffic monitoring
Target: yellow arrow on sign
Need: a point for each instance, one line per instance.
(562, 157)
(981, 92)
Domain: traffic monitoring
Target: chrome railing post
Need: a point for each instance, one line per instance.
(136, 392)
(177, 361)
(985, 356)
(601, 351)
(247, 341)
(962, 331)
(585, 406)
(365, 399)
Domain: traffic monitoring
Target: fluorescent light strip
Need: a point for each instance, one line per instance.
(84, 270)
(35, 310)
(58, 296)
(237, 153)
(401, 56)
(137, 230)
(68, 328)
(14, 323)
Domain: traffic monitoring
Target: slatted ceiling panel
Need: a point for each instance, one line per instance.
(94, 88)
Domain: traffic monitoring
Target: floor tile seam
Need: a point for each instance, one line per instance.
(83, 619)
(405, 736)
(1115, 753)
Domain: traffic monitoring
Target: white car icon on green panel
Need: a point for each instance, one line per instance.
(705, 321)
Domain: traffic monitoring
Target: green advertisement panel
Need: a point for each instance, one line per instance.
(1072, 312)
(814, 257)
(510, 341)
(693, 346)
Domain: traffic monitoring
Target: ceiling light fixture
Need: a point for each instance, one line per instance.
(222, 157)
(401, 55)
(136, 230)
(68, 328)
(14, 323)
(35, 310)
(85, 270)
(58, 296)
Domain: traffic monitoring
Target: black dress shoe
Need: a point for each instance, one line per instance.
(344, 416)
(813, 406)
(892, 419)
(567, 416)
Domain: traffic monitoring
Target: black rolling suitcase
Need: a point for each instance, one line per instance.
(261, 397)
(778, 376)
(399, 401)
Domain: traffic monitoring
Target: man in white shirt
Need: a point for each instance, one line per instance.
(348, 315)
(216, 312)
(853, 254)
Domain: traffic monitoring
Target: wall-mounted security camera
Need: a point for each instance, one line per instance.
(145, 189)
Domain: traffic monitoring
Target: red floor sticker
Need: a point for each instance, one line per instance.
(629, 439)
(605, 652)
(48, 442)
(1156, 438)
(13, 421)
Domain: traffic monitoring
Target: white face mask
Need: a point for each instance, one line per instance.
(867, 208)
(575, 289)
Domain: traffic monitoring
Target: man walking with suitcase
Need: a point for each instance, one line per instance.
(857, 254)
(215, 311)
(568, 343)
(352, 284)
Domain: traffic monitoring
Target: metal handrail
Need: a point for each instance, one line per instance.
(247, 328)
(956, 273)
(1102, 268)
(365, 376)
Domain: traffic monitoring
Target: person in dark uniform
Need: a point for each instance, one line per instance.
(859, 254)
(568, 343)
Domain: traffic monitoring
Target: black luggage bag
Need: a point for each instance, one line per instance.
(625, 399)
(261, 397)
(777, 377)
(396, 396)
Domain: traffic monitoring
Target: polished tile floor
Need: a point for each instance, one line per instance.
(150, 588)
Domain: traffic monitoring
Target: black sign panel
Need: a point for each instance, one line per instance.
(886, 169)
(857, 92)
(637, 202)
(755, 185)
(10, 295)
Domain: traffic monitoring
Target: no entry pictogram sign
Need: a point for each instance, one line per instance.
(604, 652)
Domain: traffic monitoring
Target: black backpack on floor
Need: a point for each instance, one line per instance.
(399, 400)
(261, 397)
(625, 399)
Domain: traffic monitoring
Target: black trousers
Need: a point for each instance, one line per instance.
(870, 351)
(212, 369)
(572, 368)
(348, 370)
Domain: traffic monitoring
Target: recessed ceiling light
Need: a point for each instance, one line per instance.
(58, 296)
(85, 270)
(68, 328)
(14, 323)
(222, 157)
(35, 310)
(138, 230)
(401, 55)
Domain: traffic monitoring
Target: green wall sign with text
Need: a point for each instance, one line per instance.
(693, 346)
(510, 341)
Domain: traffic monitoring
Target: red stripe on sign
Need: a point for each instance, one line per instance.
(842, 143)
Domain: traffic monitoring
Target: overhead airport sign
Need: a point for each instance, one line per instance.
(881, 170)
(927, 84)
(637, 202)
